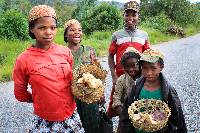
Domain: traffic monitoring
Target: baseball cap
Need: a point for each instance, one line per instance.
(131, 5)
(151, 55)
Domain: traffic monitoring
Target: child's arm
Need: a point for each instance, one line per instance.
(119, 88)
(119, 95)
(111, 61)
(176, 121)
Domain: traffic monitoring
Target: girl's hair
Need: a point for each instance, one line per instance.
(129, 55)
(65, 32)
(31, 26)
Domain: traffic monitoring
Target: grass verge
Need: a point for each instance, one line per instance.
(100, 41)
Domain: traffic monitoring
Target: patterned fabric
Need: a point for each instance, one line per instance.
(70, 22)
(151, 55)
(70, 125)
(131, 5)
(41, 11)
(122, 88)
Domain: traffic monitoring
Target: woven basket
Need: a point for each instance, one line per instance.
(149, 115)
(82, 91)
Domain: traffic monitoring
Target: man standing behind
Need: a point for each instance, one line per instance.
(129, 36)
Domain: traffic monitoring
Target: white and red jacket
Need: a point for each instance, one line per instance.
(123, 39)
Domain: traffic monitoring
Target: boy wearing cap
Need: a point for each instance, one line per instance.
(129, 36)
(153, 85)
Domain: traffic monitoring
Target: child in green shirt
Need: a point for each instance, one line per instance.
(154, 85)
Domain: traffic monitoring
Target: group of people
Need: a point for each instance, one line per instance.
(48, 69)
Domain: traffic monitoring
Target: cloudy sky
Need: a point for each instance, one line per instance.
(123, 1)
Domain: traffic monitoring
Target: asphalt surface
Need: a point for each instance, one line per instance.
(182, 69)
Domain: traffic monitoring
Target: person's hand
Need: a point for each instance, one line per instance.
(118, 109)
(114, 79)
(102, 100)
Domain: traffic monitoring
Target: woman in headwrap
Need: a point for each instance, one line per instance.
(89, 113)
(47, 68)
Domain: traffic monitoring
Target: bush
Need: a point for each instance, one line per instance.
(160, 22)
(181, 12)
(13, 25)
(81, 11)
(103, 17)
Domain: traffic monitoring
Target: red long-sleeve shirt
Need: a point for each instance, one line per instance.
(50, 74)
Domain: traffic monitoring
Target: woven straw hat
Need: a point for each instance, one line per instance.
(41, 11)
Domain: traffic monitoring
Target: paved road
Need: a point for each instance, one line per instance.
(182, 68)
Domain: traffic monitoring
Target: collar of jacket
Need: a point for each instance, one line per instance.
(165, 87)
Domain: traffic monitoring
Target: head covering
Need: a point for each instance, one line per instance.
(41, 11)
(70, 22)
(132, 49)
(151, 55)
(131, 5)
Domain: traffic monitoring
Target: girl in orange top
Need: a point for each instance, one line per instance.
(47, 67)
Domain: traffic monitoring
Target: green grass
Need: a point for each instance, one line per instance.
(100, 41)
(156, 36)
(192, 29)
(10, 50)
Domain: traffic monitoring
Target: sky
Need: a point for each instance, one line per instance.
(123, 1)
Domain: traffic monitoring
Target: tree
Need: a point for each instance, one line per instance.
(83, 6)
(103, 17)
(179, 11)
(13, 25)
(42, 2)
(22, 6)
(63, 11)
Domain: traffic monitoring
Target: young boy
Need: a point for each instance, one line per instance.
(154, 85)
(130, 63)
(130, 36)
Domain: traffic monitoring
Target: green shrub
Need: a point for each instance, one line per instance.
(81, 11)
(103, 17)
(160, 22)
(181, 12)
(13, 25)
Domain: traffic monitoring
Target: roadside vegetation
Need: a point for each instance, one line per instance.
(163, 20)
